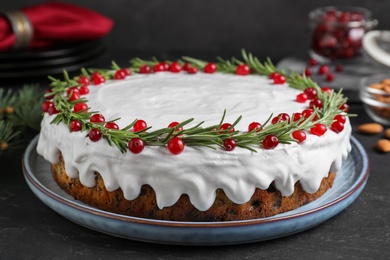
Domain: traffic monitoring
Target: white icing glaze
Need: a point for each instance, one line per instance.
(162, 98)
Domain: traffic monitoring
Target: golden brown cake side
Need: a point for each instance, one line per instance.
(263, 203)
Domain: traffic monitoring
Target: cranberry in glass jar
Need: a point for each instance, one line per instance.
(337, 32)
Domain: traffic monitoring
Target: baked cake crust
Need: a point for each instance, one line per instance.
(263, 203)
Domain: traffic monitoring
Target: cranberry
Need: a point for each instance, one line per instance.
(315, 103)
(136, 145)
(119, 74)
(356, 16)
(279, 79)
(339, 68)
(330, 77)
(254, 126)
(340, 118)
(112, 125)
(299, 135)
(301, 98)
(176, 145)
(312, 62)
(175, 67)
(331, 12)
(73, 94)
(243, 70)
(159, 67)
(46, 105)
(97, 78)
(310, 92)
(270, 141)
(139, 125)
(192, 70)
(174, 124)
(144, 69)
(344, 107)
(225, 127)
(281, 118)
(75, 126)
(166, 65)
(210, 68)
(326, 90)
(308, 112)
(337, 127)
(80, 107)
(84, 90)
(84, 81)
(187, 66)
(97, 118)
(297, 116)
(229, 144)
(272, 75)
(318, 129)
(127, 71)
(94, 135)
(323, 69)
(308, 72)
(344, 17)
(52, 110)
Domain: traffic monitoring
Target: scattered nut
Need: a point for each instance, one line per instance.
(383, 97)
(383, 145)
(9, 110)
(377, 86)
(387, 88)
(3, 145)
(387, 133)
(370, 128)
(386, 81)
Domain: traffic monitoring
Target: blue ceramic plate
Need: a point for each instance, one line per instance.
(348, 184)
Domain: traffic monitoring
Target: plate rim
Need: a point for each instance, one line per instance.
(361, 181)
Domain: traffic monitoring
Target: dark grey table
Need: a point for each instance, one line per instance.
(31, 230)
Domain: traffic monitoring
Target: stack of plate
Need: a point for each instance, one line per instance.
(35, 63)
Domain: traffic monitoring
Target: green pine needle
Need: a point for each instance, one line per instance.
(20, 113)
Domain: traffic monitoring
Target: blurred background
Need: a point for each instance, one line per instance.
(169, 28)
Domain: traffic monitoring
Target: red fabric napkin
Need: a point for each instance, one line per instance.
(57, 22)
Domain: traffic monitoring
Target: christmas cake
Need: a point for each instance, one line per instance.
(193, 140)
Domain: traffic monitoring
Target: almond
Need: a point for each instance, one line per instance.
(370, 128)
(387, 133)
(383, 145)
(379, 86)
(387, 88)
(386, 81)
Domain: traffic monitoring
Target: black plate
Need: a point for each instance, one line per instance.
(52, 66)
(21, 64)
(58, 50)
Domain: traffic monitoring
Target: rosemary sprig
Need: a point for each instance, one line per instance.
(199, 135)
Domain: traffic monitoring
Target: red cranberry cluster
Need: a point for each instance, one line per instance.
(323, 69)
(338, 34)
(312, 95)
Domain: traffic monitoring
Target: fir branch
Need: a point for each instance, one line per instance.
(7, 136)
(20, 114)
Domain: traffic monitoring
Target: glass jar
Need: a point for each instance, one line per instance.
(337, 32)
(375, 94)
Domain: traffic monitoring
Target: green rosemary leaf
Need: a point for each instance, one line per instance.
(199, 64)
(115, 66)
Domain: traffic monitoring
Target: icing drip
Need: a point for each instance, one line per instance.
(162, 98)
